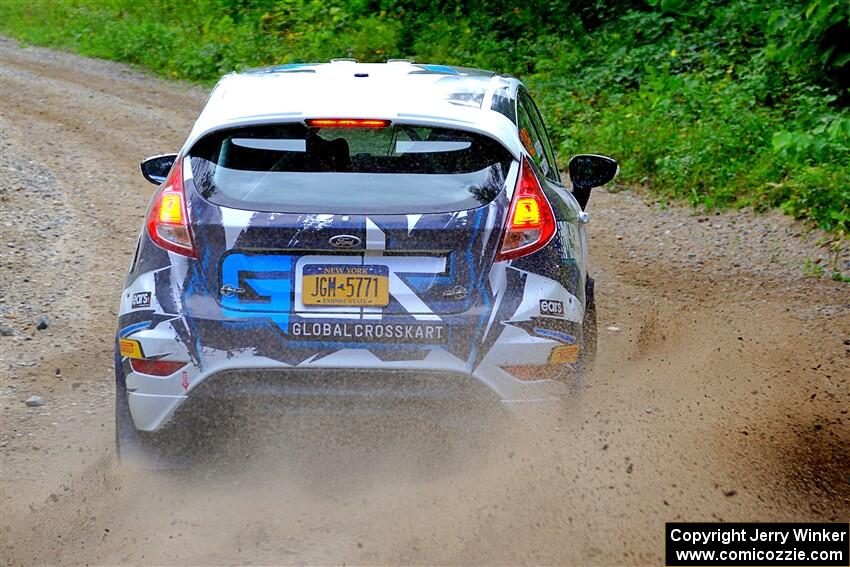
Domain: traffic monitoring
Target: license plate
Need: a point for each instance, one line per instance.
(339, 284)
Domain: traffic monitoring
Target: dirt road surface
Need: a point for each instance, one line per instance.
(721, 393)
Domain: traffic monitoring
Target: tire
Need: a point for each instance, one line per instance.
(572, 373)
(588, 328)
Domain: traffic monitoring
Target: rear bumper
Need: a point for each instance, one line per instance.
(340, 391)
(510, 331)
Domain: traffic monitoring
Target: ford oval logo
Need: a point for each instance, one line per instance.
(344, 241)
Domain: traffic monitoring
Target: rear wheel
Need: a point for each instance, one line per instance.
(588, 328)
(572, 373)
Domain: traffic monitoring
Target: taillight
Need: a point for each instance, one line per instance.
(168, 221)
(155, 367)
(347, 123)
(531, 223)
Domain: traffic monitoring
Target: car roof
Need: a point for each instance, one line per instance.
(400, 91)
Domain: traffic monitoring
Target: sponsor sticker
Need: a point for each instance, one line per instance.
(552, 307)
(141, 299)
(555, 335)
(552, 328)
(359, 332)
(130, 348)
(566, 354)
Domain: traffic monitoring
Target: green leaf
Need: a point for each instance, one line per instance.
(812, 7)
(841, 60)
(782, 140)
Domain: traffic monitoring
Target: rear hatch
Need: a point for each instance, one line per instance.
(347, 221)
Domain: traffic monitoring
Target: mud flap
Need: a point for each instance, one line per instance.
(149, 451)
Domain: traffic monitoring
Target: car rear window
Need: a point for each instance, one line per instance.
(393, 170)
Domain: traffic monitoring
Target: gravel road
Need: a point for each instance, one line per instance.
(721, 393)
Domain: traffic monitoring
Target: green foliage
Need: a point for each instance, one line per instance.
(719, 103)
(813, 39)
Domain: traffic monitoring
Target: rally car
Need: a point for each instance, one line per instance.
(368, 232)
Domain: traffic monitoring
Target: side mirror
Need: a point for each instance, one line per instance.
(588, 171)
(155, 169)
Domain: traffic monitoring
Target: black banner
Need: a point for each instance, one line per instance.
(742, 544)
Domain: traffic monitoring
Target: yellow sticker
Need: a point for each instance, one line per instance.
(130, 348)
(567, 354)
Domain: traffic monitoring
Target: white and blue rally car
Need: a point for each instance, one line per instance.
(368, 232)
